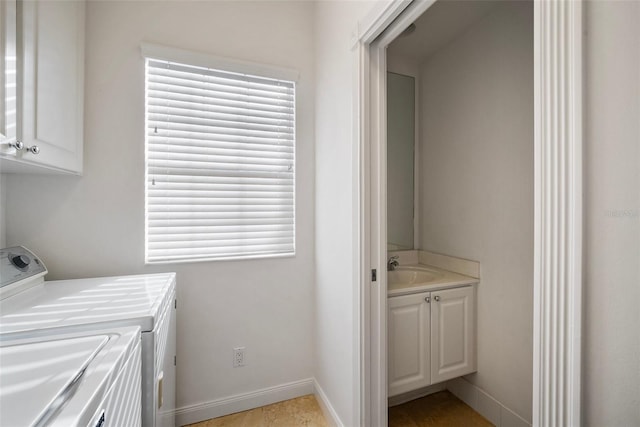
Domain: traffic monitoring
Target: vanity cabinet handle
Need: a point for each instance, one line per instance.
(427, 299)
(437, 298)
(34, 149)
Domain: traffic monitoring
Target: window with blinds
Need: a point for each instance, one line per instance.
(220, 157)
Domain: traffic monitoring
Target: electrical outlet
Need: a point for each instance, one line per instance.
(238, 357)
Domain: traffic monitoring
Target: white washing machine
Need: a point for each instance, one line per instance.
(79, 379)
(31, 307)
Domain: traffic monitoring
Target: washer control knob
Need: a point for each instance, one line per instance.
(20, 261)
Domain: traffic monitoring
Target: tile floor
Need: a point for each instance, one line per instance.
(302, 411)
(440, 409)
(436, 410)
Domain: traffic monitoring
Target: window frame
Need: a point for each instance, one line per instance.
(164, 53)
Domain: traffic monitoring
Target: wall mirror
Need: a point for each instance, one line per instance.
(400, 161)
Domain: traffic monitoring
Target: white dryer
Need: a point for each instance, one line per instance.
(31, 307)
(81, 379)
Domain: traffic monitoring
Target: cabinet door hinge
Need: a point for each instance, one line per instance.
(374, 275)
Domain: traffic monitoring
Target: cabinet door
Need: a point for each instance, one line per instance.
(408, 324)
(453, 333)
(8, 76)
(52, 89)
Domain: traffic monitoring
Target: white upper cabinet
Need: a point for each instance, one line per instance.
(50, 67)
(8, 75)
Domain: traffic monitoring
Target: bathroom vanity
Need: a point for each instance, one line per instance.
(431, 324)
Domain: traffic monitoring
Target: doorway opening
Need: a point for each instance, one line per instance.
(464, 76)
(495, 197)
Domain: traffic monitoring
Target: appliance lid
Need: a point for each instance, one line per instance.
(106, 301)
(37, 378)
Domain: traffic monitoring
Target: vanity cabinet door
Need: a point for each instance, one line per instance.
(453, 334)
(408, 325)
(51, 93)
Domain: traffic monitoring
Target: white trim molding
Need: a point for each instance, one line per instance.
(330, 414)
(558, 216)
(486, 405)
(374, 34)
(242, 402)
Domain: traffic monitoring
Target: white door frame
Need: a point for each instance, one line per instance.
(558, 207)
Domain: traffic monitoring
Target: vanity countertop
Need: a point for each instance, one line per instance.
(406, 279)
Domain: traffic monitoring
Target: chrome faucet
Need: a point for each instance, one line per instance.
(392, 263)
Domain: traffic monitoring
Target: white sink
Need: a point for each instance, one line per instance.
(409, 276)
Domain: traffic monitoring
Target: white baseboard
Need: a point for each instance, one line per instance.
(329, 413)
(485, 404)
(242, 402)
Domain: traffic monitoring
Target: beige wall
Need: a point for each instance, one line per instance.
(401, 64)
(94, 225)
(476, 185)
(611, 335)
(336, 290)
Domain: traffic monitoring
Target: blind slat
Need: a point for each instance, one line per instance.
(167, 217)
(263, 236)
(228, 114)
(168, 227)
(161, 128)
(285, 159)
(164, 172)
(227, 252)
(208, 190)
(212, 89)
(213, 138)
(220, 154)
(235, 209)
(168, 88)
(190, 243)
(191, 145)
(205, 122)
(223, 180)
(211, 186)
(198, 104)
(160, 67)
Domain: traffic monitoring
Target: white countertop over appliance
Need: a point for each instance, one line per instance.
(124, 300)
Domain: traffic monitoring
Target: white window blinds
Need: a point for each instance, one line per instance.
(220, 158)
